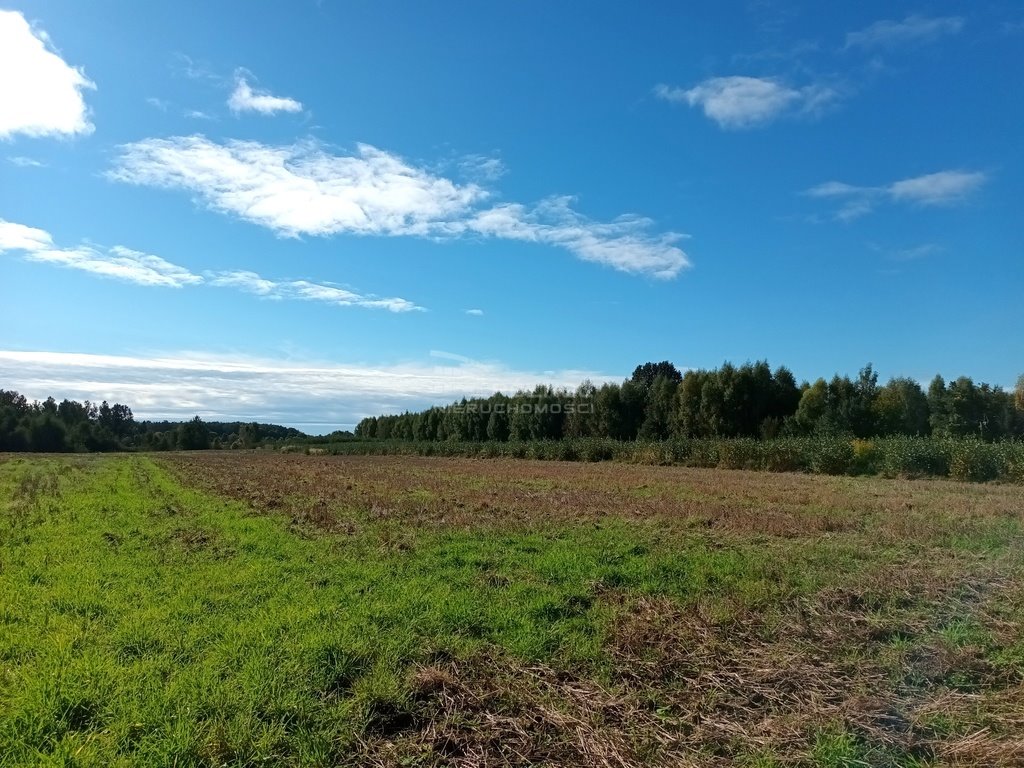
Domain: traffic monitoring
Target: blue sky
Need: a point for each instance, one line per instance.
(312, 212)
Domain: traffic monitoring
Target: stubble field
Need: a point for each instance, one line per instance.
(250, 609)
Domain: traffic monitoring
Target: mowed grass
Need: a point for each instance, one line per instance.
(261, 610)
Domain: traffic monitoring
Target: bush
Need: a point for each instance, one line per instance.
(831, 456)
(975, 460)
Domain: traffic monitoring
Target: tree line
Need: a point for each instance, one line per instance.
(69, 425)
(658, 402)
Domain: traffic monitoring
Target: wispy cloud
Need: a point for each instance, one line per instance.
(117, 262)
(40, 93)
(148, 270)
(301, 189)
(246, 99)
(25, 162)
(475, 312)
(323, 394)
(623, 244)
(304, 290)
(913, 29)
(483, 167)
(747, 102)
(161, 104)
(934, 189)
(120, 263)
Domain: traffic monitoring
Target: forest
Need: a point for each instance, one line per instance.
(658, 402)
(52, 427)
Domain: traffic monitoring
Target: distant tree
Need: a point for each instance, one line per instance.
(812, 407)
(966, 408)
(938, 407)
(646, 374)
(193, 435)
(659, 414)
(901, 408)
(47, 433)
(582, 420)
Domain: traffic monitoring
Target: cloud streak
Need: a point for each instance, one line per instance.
(40, 93)
(245, 99)
(317, 395)
(913, 30)
(738, 102)
(148, 270)
(118, 262)
(301, 189)
(945, 188)
(305, 290)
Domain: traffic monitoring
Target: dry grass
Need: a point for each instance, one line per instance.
(866, 669)
(326, 490)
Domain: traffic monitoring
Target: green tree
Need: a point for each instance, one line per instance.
(193, 435)
(659, 413)
(901, 408)
(646, 374)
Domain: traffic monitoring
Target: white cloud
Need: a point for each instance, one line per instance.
(913, 29)
(40, 94)
(18, 237)
(484, 167)
(943, 188)
(245, 99)
(745, 102)
(145, 269)
(623, 244)
(161, 104)
(120, 263)
(475, 312)
(301, 189)
(117, 262)
(304, 290)
(25, 162)
(325, 395)
(934, 189)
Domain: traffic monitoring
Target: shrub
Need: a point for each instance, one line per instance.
(831, 456)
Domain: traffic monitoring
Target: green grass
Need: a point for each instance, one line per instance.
(143, 623)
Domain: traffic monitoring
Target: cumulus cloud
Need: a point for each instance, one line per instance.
(40, 93)
(912, 30)
(316, 395)
(746, 102)
(149, 270)
(305, 290)
(301, 189)
(934, 189)
(245, 99)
